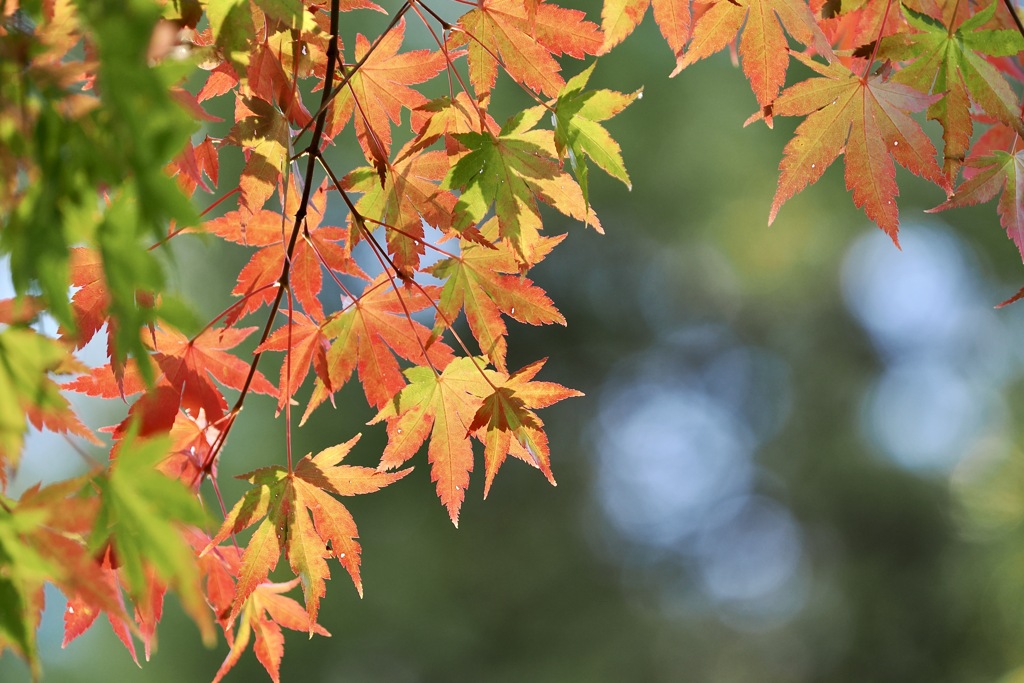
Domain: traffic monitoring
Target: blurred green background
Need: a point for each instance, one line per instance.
(798, 458)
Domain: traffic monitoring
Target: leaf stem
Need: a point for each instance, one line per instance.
(878, 42)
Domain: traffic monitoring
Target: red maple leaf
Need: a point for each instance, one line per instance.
(305, 343)
(316, 247)
(188, 368)
(526, 40)
(763, 47)
(869, 118)
(368, 334)
(379, 90)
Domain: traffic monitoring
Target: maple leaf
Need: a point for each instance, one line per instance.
(196, 161)
(378, 91)
(300, 514)
(620, 17)
(221, 80)
(192, 454)
(189, 364)
(952, 64)
(43, 533)
(262, 132)
(231, 24)
(439, 407)
(81, 612)
(368, 333)
(408, 197)
(869, 117)
(763, 47)
(317, 246)
(268, 79)
(467, 399)
(510, 425)
(577, 113)
(525, 41)
(998, 171)
(265, 612)
(480, 281)
(188, 367)
(512, 170)
(89, 303)
(306, 344)
(448, 117)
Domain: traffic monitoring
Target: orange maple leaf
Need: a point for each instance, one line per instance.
(378, 91)
(869, 118)
(511, 427)
(317, 246)
(485, 283)
(368, 334)
(526, 40)
(620, 17)
(468, 400)
(408, 197)
(763, 47)
(300, 516)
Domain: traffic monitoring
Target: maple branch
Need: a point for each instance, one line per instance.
(288, 380)
(300, 217)
(1016, 17)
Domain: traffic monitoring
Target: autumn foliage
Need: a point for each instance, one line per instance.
(110, 137)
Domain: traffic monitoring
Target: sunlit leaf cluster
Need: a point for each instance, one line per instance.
(389, 235)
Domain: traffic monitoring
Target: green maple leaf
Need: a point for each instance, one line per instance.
(22, 573)
(952, 63)
(578, 131)
(25, 359)
(511, 171)
(141, 510)
(232, 27)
